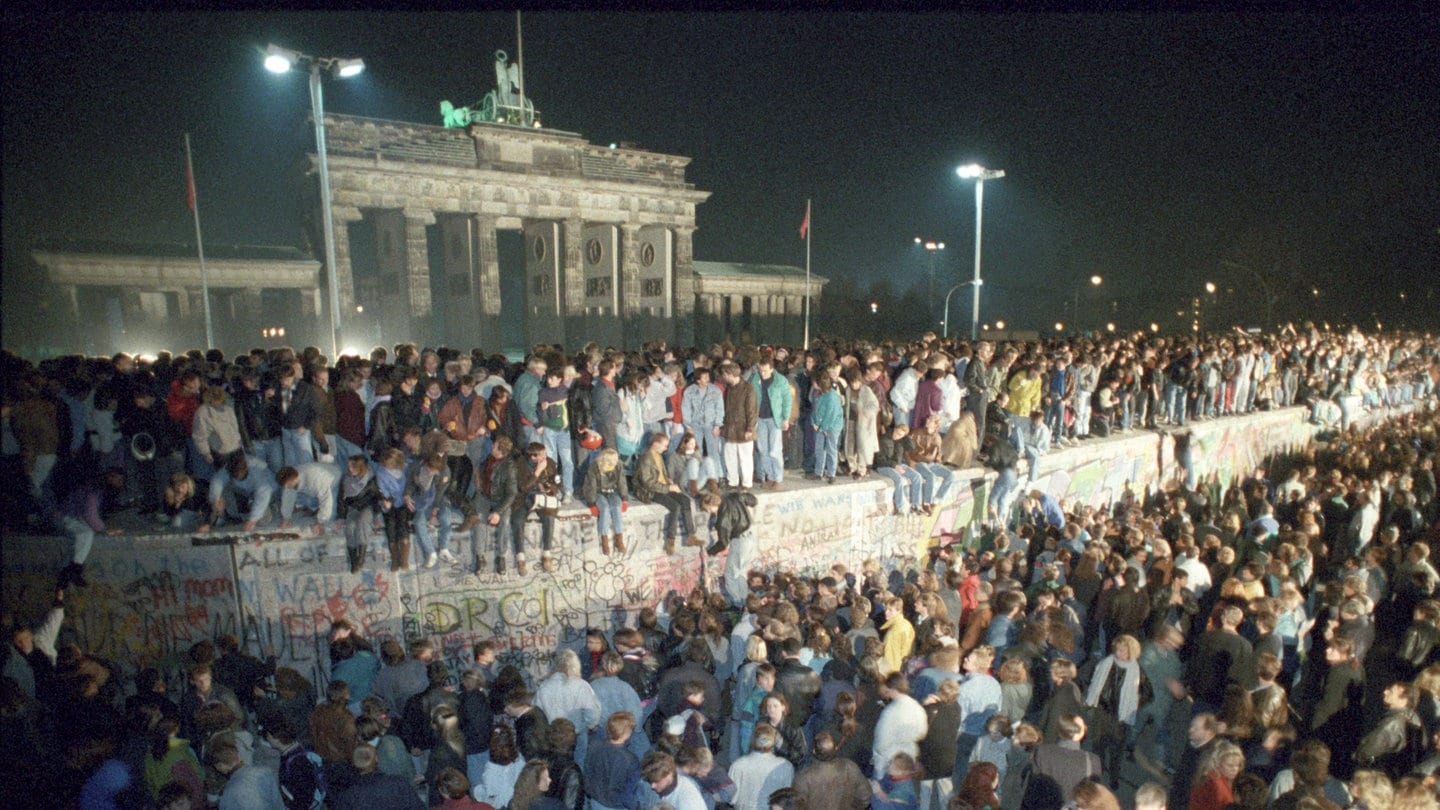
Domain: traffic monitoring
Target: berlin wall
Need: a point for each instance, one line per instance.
(151, 597)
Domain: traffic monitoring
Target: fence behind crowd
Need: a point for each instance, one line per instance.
(151, 597)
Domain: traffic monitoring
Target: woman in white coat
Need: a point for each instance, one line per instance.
(859, 440)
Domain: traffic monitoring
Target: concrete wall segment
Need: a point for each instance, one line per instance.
(152, 596)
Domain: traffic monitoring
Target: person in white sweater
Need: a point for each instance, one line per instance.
(312, 485)
(760, 772)
(674, 788)
(216, 431)
(902, 724)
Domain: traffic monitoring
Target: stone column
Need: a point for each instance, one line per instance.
(69, 295)
(487, 284)
(683, 284)
(629, 277)
(572, 281)
(487, 260)
(247, 304)
(629, 270)
(417, 262)
(707, 319)
(344, 273)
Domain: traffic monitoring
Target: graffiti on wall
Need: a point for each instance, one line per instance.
(151, 598)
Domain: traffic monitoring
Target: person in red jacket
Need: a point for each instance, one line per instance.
(350, 414)
(181, 405)
(1213, 791)
(184, 399)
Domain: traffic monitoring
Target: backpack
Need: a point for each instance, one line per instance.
(302, 771)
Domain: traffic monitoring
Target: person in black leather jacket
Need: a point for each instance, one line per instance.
(566, 781)
(799, 683)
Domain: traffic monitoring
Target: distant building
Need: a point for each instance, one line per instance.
(119, 296)
(752, 303)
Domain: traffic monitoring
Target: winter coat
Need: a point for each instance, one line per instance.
(742, 413)
(598, 482)
(650, 477)
(734, 516)
(828, 414)
(215, 430)
(457, 425)
(861, 438)
(777, 390)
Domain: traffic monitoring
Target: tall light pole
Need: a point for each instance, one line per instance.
(932, 250)
(1095, 281)
(280, 60)
(1199, 312)
(1265, 283)
(979, 174)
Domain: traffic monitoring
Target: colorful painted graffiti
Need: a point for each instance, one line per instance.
(152, 597)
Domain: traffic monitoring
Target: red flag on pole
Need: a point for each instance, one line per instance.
(189, 180)
(805, 225)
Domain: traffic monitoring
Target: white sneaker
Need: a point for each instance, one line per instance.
(431, 560)
(447, 556)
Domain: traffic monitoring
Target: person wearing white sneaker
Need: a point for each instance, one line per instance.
(448, 557)
(431, 559)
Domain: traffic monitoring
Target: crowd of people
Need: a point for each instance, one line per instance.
(1273, 643)
(441, 455)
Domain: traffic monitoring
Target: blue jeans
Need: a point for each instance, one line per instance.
(557, 446)
(1175, 403)
(421, 525)
(769, 449)
(1001, 493)
(899, 416)
(1055, 417)
(297, 447)
(270, 451)
(702, 471)
(714, 448)
(82, 534)
(1033, 457)
(827, 452)
(909, 486)
(344, 449)
(608, 522)
(939, 481)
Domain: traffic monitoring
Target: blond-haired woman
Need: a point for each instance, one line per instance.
(1117, 690)
(607, 493)
(1213, 790)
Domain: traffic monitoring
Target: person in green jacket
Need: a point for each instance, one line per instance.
(776, 398)
(171, 759)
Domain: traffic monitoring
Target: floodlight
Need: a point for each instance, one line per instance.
(278, 59)
(345, 68)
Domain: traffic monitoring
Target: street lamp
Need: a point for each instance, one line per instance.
(945, 321)
(1095, 281)
(280, 60)
(932, 248)
(979, 174)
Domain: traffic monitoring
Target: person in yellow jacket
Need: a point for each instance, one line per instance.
(899, 635)
(1025, 391)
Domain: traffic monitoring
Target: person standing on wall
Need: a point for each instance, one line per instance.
(742, 411)
(774, 398)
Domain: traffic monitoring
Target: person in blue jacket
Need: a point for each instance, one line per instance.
(828, 419)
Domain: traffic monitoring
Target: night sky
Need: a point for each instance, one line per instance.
(1144, 148)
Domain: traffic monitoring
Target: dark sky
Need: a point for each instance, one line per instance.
(1144, 148)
